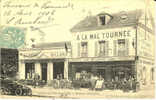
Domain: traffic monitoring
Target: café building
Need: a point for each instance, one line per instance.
(116, 45)
(113, 45)
(48, 60)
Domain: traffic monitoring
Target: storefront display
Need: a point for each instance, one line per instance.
(108, 70)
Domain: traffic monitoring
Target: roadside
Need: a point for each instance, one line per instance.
(49, 92)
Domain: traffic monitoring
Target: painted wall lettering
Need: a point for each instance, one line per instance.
(125, 33)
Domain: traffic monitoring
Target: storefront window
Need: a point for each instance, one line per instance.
(121, 47)
(84, 49)
(30, 70)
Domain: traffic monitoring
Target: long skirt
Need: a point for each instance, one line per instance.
(99, 84)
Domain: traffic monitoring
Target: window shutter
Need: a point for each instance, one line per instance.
(107, 48)
(78, 49)
(87, 51)
(127, 47)
(115, 48)
(96, 48)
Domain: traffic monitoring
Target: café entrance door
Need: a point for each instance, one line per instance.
(44, 71)
(58, 70)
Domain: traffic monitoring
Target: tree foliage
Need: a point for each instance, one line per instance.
(9, 61)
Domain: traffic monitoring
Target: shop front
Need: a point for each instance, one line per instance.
(47, 63)
(112, 70)
(46, 69)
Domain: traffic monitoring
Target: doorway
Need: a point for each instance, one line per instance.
(29, 70)
(44, 71)
(58, 70)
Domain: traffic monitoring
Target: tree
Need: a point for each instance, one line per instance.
(9, 62)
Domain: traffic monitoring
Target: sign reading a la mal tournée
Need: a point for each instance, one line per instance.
(104, 35)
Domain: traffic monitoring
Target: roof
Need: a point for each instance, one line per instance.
(91, 22)
(54, 45)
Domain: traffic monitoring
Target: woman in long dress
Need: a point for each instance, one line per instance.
(99, 83)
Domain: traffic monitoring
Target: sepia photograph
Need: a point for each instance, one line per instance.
(76, 49)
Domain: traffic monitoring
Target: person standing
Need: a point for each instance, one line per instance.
(134, 84)
(130, 82)
(93, 81)
(99, 83)
(36, 79)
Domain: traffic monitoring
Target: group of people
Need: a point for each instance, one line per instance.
(61, 82)
(125, 84)
(36, 79)
(97, 82)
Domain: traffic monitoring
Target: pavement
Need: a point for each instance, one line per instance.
(49, 92)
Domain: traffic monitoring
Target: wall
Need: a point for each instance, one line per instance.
(94, 36)
(38, 55)
(146, 49)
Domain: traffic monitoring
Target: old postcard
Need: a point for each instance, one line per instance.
(77, 49)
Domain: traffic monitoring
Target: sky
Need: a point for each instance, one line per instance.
(81, 9)
(65, 19)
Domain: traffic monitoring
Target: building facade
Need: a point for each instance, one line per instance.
(115, 45)
(46, 60)
(111, 45)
